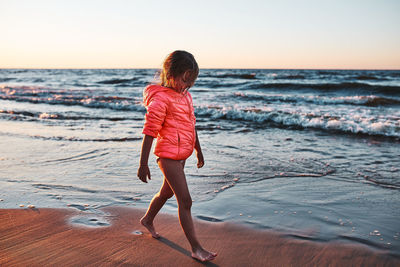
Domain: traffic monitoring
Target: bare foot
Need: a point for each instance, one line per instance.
(149, 227)
(203, 255)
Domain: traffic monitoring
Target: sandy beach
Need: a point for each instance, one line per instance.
(59, 237)
(286, 114)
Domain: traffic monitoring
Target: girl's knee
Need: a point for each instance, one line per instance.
(185, 202)
(165, 195)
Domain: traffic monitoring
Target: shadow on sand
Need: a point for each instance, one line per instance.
(182, 250)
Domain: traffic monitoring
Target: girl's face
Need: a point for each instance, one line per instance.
(181, 83)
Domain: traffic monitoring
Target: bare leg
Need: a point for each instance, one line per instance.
(156, 204)
(175, 176)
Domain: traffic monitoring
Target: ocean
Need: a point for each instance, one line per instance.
(314, 154)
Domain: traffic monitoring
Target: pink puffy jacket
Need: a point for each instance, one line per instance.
(170, 118)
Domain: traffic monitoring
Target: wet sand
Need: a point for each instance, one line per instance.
(58, 237)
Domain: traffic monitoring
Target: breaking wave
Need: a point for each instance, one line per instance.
(355, 124)
(354, 86)
(369, 100)
(59, 116)
(70, 98)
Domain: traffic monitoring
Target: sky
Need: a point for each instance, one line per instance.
(307, 34)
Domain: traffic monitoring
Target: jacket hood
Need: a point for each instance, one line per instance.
(152, 90)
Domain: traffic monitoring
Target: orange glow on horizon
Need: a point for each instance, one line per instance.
(265, 34)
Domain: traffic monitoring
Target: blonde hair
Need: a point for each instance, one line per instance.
(179, 64)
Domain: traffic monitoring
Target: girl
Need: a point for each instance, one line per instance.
(170, 118)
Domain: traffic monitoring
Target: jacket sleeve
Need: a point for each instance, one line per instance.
(154, 118)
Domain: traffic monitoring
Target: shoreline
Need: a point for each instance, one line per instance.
(45, 236)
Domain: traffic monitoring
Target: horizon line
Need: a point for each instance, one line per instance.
(212, 68)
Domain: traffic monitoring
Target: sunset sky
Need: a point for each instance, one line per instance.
(339, 34)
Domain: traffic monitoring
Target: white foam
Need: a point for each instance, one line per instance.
(322, 100)
(338, 120)
(63, 97)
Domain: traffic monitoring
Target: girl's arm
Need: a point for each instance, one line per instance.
(199, 153)
(144, 171)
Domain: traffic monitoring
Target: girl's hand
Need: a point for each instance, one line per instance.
(143, 173)
(200, 160)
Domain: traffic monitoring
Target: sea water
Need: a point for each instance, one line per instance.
(312, 153)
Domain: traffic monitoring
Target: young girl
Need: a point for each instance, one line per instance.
(170, 118)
